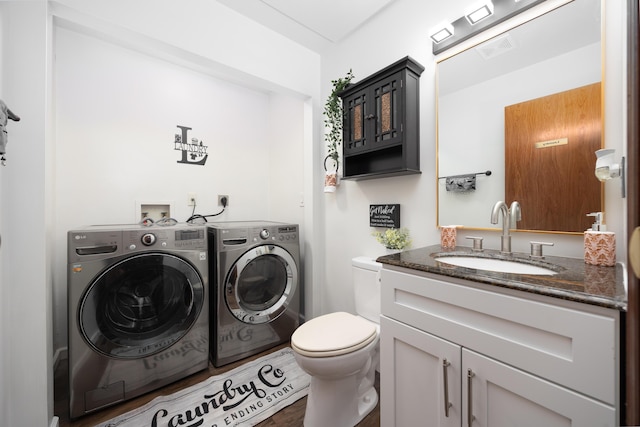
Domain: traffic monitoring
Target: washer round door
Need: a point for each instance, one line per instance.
(141, 305)
(261, 284)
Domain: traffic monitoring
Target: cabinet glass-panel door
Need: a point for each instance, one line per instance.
(354, 134)
(387, 95)
(502, 396)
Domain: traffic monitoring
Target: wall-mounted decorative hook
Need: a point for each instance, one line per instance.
(5, 115)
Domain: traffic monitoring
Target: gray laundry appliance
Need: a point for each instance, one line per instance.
(138, 310)
(255, 287)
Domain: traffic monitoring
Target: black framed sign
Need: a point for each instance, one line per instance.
(387, 216)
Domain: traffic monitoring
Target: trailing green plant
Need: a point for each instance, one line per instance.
(334, 116)
(393, 238)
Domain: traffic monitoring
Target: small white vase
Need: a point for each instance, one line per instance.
(390, 251)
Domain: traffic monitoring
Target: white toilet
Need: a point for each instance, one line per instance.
(340, 351)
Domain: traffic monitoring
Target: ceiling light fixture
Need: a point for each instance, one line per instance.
(481, 16)
(441, 32)
(478, 12)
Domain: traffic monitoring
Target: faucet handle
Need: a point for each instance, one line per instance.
(477, 242)
(536, 249)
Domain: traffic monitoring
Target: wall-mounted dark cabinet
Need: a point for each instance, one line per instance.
(381, 132)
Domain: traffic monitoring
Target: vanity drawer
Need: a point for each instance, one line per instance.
(561, 341)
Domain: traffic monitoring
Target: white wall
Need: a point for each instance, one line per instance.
(371, 48)
(26, 343)
(116, 115)
(285, 131)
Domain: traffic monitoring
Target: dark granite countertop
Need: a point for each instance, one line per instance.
(575, 280)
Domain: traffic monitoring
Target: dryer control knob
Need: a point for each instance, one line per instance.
(264, 234)
(148, 239)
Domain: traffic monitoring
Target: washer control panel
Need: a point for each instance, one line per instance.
(99, 242)
(274, 233)
(165, 238)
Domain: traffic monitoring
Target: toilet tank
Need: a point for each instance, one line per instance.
(366, 287)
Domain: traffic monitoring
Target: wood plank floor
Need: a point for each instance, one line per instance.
(292, 415)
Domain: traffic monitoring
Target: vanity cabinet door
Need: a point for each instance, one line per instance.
(502, 396)
(419, 378)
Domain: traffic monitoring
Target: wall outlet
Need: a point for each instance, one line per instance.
(223, 200)
(191, 199)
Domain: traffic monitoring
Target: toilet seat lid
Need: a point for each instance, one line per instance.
(333, 334)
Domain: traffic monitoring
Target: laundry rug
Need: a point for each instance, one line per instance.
(243, 396)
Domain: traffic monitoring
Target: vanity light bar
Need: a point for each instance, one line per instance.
(481, 16)
(478, 12)
(441, 32)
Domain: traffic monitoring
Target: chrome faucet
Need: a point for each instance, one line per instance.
(510, 216)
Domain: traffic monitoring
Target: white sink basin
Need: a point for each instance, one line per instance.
(497, 265)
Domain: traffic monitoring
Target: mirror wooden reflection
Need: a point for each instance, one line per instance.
(555, 53)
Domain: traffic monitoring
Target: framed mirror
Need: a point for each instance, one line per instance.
(553, 64)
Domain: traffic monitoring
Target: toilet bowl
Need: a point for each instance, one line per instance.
(340, 352)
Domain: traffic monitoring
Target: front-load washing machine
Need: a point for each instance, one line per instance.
(256, 291)
(138, 311)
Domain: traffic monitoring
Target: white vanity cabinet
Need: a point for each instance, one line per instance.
(498, 357)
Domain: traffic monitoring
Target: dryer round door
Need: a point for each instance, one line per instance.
(141, 305)
(261, 284)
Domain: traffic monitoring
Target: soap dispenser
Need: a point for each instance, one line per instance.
(597, 224)
(599, 244)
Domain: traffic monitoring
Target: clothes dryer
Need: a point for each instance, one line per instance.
(138, 311)
(256, 290)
